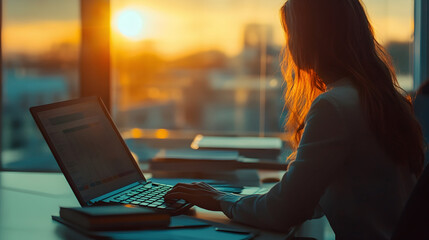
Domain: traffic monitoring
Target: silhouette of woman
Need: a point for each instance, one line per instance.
(358, 147)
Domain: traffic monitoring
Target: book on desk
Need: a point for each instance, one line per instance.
(251, 147)
(118, 217)
(122, 222)
(208, 161)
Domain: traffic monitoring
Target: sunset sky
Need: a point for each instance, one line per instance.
(175, 27)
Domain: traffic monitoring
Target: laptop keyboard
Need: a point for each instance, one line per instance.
(148, 195)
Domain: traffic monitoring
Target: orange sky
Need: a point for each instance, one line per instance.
(39, 37)
(180, 27)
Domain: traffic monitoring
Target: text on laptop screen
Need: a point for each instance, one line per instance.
(89, 148)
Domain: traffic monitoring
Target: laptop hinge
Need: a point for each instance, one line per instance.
(107, 195)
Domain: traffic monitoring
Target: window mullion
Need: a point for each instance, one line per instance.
(95, 50)
(1, 83)
(421, 50)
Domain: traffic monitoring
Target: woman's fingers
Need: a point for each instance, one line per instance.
(207, 186)
(203, 185)
(185, 188)
(200, 194)
(180, 195)
(179, 189)
(190, 190)
(191, 187)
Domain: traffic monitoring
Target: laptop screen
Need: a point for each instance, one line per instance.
(90, 150)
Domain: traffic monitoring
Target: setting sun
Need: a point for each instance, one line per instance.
(130, 23)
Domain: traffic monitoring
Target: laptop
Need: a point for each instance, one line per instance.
(94, 158)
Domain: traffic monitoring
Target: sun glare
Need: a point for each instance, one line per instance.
(130, 23)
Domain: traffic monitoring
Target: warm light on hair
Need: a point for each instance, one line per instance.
(299, 95)
(336, 37)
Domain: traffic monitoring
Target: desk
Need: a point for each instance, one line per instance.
(27, 201)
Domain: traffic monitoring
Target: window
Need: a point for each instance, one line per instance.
(393, 22)
(199, 66)
(213, 66)
(40, 44)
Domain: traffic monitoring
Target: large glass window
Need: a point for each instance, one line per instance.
(213, 66)
(393, 22)
(202, 65)
(40, 43)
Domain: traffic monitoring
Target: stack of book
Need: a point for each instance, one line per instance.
(208, 161)
(250, 147)
(100, 218)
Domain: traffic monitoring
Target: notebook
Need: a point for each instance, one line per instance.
(251, 147)
(94, 158)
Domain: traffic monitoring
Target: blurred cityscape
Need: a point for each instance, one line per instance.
(204, 91)
(30, 81)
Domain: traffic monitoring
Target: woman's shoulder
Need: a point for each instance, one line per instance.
(342, 94)
(341, 101)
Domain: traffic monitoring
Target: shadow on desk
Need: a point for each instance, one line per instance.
(198, 229)
(64, 232)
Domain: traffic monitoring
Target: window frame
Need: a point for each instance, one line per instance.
(94, 79)
(95, 60)
(421, 50)
(1, 81)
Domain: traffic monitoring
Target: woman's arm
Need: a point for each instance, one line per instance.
(322, 151)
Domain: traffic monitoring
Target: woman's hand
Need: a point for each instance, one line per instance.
(200, 194)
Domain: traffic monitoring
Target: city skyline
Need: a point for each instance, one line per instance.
(177, 28)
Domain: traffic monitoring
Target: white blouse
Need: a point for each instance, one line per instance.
(340, 168)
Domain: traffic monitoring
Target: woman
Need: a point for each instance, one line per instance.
(358, 148)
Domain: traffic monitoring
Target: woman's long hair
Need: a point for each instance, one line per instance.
(336, 36)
